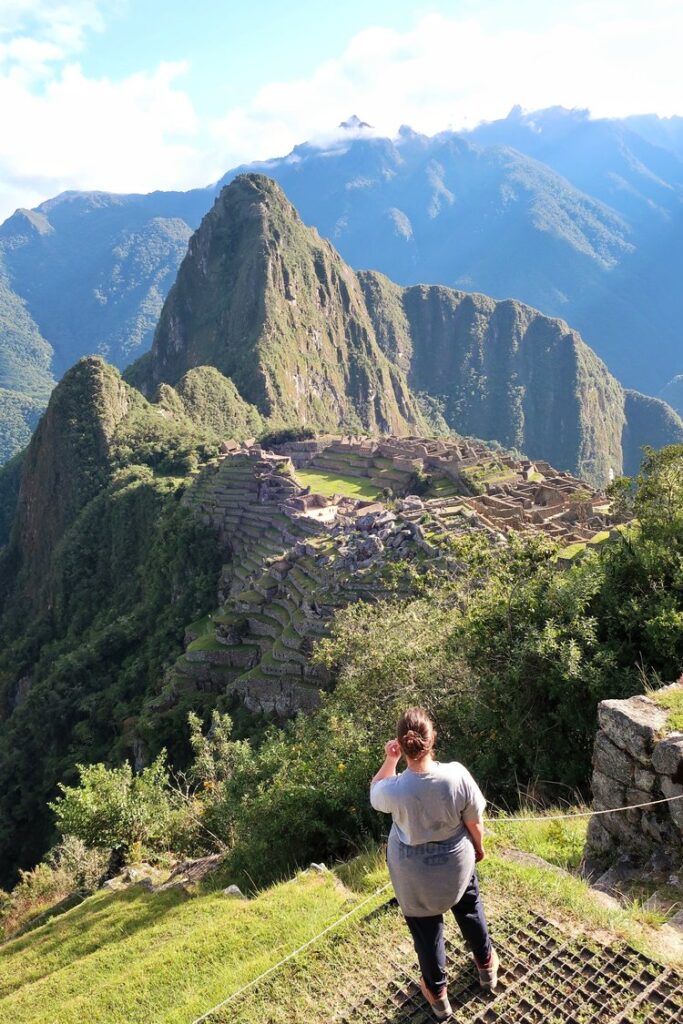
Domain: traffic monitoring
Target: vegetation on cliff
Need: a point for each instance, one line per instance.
(272, 306)
(102, 572)
(305, 340)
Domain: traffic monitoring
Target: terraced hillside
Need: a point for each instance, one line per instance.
(294, 556)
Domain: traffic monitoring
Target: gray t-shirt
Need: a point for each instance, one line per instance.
(430, 854)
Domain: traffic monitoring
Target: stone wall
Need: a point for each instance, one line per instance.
(636, 759)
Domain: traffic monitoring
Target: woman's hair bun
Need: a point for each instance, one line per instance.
(416, 733)
(414, 743)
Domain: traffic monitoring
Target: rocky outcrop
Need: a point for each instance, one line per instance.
(637, 759)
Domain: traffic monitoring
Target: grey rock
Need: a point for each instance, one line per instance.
(637, 796)
(660, 864)
(632, 725)
(608, 901)
(611, 760)
(667, 756)
(670, 789)
(676, 922)
(607, 792)
(234, 890)
(656, 828)
(643, 779)
(598, 840)
(369, 547)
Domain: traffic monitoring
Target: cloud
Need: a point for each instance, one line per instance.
(613, 58)
(64, 24)
(60, 129)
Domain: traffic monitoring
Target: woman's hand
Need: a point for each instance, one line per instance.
(392, 753)
(392, 749)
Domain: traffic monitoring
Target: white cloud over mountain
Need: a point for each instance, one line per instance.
(60, 128)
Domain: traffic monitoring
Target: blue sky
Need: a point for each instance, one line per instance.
(131, 95)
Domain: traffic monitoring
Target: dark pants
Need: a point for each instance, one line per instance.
(429, 942)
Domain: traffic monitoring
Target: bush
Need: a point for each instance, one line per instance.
(275, 437)
(68, 868)
(114, 808)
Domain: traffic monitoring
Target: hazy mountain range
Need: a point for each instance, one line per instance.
(581, 219)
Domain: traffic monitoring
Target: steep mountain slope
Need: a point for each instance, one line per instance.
(263, 300)
(84, 273)
(584, 224)
(649, 421)
(602, 157)
(633, 318)
(503, 370)
(102, 571)
(272, 306)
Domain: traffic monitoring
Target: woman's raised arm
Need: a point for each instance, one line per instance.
(392, 753)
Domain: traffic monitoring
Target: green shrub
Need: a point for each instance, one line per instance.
(114, 808)
(275, 437)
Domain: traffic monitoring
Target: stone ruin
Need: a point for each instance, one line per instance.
(500, 492)
(637, 759)
(294, 557)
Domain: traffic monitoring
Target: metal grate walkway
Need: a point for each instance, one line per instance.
(546, 978)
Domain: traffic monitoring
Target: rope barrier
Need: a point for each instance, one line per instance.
(290, 956)
(493, 821)
(584, 814)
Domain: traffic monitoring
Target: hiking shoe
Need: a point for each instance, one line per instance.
(440, 1006)
(488, 976)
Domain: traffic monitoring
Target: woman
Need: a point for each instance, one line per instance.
(435, 840)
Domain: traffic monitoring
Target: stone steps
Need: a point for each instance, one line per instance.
(261, 624)
(280, 651)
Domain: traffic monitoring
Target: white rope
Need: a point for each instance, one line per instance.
(583, 814)
(290, 956)
(378, 892)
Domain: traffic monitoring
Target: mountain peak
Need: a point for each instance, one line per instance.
(354, 123)
(23, 220)
(268, 303)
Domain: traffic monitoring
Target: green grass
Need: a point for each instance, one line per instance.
(560, 842)
(672, 700)
(572, 550)
(164, 958)
(316, 986)
(600, 538)
(207, 642)
(328, 484)
(157, 958)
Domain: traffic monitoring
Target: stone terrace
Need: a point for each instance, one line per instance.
(465, 475)
(294, 557)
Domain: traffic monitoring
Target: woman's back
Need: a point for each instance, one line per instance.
(429, 806)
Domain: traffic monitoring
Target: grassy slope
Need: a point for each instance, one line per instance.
(672, 700)
(328, 484)
(136, 956)
(164, 959)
